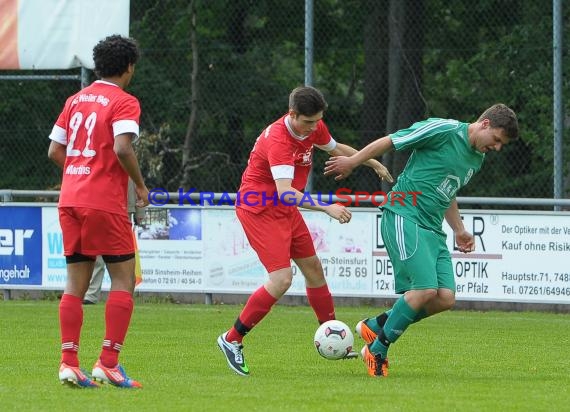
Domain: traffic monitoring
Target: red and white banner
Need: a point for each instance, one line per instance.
(57, 34)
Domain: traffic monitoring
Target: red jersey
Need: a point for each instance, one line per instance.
(279, 153)
(88, 124)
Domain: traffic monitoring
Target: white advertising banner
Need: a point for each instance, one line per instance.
(54, 271)
(230, 264)
(57, 34)
(171, 250)
(519, 256)
(344, 251)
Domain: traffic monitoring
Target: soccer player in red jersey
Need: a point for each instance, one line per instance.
(270, 191)
(92, 141)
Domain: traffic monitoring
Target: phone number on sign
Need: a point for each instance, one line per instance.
(544, 290)
(340, 271)
(173, 281)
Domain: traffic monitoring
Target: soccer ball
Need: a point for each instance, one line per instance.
(334, 340)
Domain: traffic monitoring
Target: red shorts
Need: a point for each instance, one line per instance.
(93, 232)
(277, 238)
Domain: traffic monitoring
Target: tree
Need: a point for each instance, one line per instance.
(405, 72)
(192, 121)
(375, 76)
(504, 56)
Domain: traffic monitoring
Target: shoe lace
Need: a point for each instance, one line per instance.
(381, 365)
(236, 349)
(378, 363)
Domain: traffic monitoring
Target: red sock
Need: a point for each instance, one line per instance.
(322, 303)
(258, 305)
(118, 311)
(70, 322)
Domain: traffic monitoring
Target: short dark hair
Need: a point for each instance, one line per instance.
(307, 101)
(501, 116)
(113, 54)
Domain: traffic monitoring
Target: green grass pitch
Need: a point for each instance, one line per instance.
(456, 361)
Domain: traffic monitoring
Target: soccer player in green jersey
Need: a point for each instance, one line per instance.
(445, 155)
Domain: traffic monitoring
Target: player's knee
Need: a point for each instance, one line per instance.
(286, 283)
(282, 279)
(447, 299)
(450, 302)
(429, 294)
(420, 297)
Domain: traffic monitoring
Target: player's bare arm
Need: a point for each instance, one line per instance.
(286, 191)
(342, 166)
(464, 240)
(57, 153)
(345, 150)
(123, 148)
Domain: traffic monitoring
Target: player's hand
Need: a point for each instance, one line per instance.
(465, 241)
(339, 212)
(142, 196)
(139, 219)
(383, 173)
(341, 166)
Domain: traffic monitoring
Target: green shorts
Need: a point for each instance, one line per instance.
(420, 257)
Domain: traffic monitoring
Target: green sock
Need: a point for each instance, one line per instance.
(377, 347)
(377, 323)
(420, 315)
(381, 344)
(401, 317)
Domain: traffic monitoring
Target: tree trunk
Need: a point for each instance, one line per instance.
(375, 72)
(235, 142)
(405, 101)
(191, 130)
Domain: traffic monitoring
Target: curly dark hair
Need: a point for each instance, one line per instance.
(113, 54)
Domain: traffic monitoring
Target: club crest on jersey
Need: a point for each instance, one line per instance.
(304, 158)
(449, 186)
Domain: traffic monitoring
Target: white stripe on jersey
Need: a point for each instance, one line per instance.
(282, 172)
(58, 135)
(126, 126)
(400, 238)
(329, 146)
(424, 130)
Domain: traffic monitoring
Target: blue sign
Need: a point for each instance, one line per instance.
(20, 245)
(185, 224)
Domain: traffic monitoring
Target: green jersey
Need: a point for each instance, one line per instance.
(442, 162)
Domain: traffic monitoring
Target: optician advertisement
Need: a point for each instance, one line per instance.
(519, 256)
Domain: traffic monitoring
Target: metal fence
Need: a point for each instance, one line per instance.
(382, 64)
